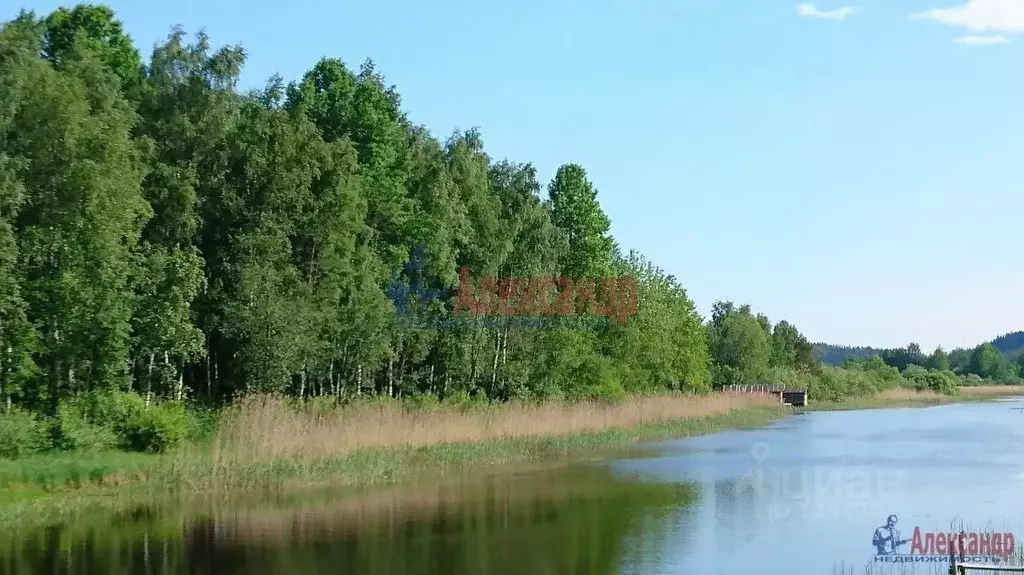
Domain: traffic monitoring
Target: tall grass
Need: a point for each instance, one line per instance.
(270, 443)
(267, 427)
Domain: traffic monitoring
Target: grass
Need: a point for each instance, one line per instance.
(269, 444)
(911, 398)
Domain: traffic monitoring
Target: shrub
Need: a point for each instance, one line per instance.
(161, 427)
(72, 430)
(929, 379)
(22, 433)
(460, 399)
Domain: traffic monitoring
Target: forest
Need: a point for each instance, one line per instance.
(170, 243)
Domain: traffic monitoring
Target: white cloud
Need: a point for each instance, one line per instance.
(982, 40)
(1005, 16)
(810, 11)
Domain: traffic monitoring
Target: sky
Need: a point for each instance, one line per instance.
(849, 168)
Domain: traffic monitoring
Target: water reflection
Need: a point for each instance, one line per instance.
(575, 520)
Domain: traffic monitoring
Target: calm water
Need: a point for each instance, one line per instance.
(802, 496)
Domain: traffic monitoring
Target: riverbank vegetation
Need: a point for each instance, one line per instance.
(283, 444)
(171, 245)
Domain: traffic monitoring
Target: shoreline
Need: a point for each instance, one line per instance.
(139, 478)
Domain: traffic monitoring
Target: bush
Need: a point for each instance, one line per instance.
(597, 379)
(161, 427)
(22, 433)
(461, 400)
(422, 402)
(72, 430)
(96, 421)
(932, 380)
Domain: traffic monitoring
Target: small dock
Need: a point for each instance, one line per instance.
(793, 397)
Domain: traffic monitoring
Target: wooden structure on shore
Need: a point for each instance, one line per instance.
(794, 397)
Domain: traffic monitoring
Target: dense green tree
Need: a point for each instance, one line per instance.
(790, 348)
(575, 211)
(163, 233)
(739, 345)
(986, 361)
(901, 358)
(939, 360)
(16, 43)
(97, 26)
(81, 217)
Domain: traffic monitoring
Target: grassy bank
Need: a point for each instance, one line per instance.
(267, 443)
(900, 397)
(272, 444)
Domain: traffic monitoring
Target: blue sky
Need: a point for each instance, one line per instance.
(853, 169)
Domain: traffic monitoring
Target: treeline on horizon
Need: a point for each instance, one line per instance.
(1001, 359)
(167, 239)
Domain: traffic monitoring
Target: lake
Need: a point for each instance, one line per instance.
(804, 495)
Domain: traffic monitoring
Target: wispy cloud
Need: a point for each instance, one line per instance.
(991, 16)
(982, 40)
(811, 11)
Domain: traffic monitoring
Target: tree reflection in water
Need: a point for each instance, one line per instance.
(567, 521)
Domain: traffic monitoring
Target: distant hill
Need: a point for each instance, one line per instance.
(1011, 345)
(837, 354)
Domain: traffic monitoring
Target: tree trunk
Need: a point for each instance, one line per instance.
(330, 379)
(497, 354)
(149, 380)
(55, 374)
(179, 385)
(391, 375)
(209, 379)
(3, 376)
(359, 379)
(401, 367)
(504, 349)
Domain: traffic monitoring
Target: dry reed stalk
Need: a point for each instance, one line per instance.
(902, 394)
(265, 427)
(993, 390)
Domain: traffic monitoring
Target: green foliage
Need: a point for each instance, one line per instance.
(835, 384)
(157, 429)
(74, 430)
(22, 433)
(943, 381)
(575, 211)
(165, 238)
(939, 360)
(740, 344)
(985, 361)
(97, 27)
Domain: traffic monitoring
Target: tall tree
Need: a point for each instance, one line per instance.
(938, 360)
(986, 361)
(97, 26)
(81, 218)
(789, 347)
(575, 211)
(739, 346)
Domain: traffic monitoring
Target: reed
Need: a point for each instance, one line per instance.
(267, 427)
